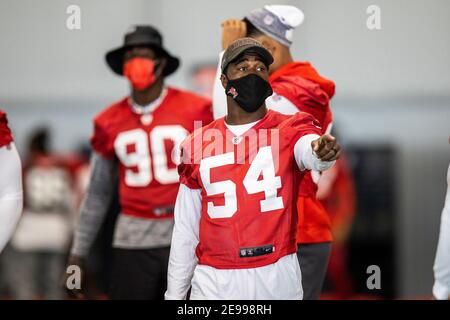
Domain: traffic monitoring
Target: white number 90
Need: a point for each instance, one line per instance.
(141, 159)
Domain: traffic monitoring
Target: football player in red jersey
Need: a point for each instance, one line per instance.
(138, 138)
(40, 242)
(297, 87)
(235, 215)
(10, 183)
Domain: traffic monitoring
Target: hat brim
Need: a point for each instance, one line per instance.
(250, 48)
(114, 59)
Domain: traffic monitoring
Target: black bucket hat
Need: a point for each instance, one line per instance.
(141, 36)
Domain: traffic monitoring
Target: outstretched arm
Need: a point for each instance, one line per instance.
(314, 152)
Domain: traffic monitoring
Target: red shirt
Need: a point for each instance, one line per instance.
(146, 147)
(301, 84)
(248, 216)
(5, 133)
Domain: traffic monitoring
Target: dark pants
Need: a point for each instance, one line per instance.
(139, 274)
(313, 259)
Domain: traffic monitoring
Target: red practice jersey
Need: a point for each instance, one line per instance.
(247, 185)
(5, 134)
(147, 148)
(300, 83)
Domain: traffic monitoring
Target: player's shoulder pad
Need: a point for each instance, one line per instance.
(197, 133)
(278, 116)
(301, 119)
(193, 143)
(111, 114)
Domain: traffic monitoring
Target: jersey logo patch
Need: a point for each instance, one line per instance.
(237, 140)
(256, 251)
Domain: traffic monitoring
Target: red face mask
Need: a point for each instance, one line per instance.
(140, 72)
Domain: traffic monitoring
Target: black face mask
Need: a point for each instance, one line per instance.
(249, 92)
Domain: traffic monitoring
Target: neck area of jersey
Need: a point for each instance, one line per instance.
(149, 108)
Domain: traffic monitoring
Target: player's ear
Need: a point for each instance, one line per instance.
(224, 81)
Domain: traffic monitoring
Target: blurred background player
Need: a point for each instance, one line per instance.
(234, 235)
(135, 146)
(10, 183)
(441, 288)
(297, 87)
(36, 257)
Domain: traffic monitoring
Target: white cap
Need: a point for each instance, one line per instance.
(289, 15)
(277, 21)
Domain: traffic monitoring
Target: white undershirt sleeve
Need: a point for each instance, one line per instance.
(441, 288)
(219, 97)
(305, 156)
(11, 195)
(182, 260)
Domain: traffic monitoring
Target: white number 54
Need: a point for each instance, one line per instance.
(261, 164)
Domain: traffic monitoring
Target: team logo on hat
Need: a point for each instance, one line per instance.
(268, 19)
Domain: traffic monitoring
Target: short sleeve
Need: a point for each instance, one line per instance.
(187, 169)
(299, 125)
(102, 141)
(5, 133)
